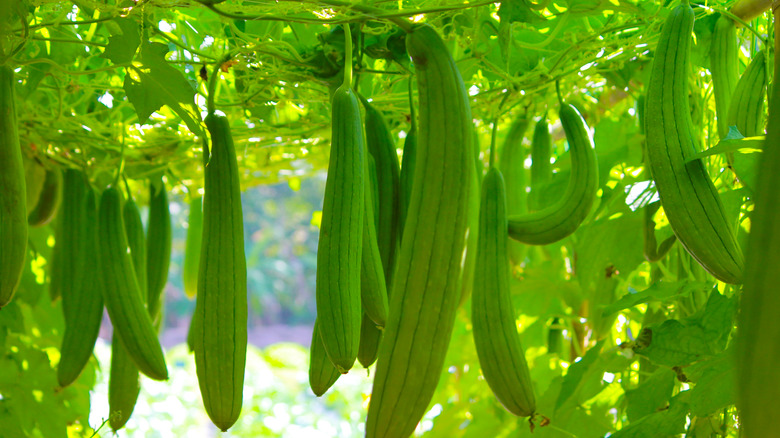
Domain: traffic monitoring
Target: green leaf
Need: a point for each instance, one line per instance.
(155, 83)
(715, 384)
(122, 46)
(651, 396)
(682, 342)
(666, 423)
(616, 242)
(585, 377)
(728, 145)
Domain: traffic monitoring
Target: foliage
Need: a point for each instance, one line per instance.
(120, 86)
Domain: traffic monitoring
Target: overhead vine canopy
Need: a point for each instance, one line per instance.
(104, 81)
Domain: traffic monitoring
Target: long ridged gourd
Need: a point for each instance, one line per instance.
(408, 160)
(373, 287)
(541, 169)
(121, 291)
(689, 197)
(500, 354)
(724, 68)
(340, 246)
(370, 333)
(758, 352)
(511, 162)
(85, 300)
(48, 200)
(220, 339)
(427, 283)
(124, 384)
(562, 218)
(381, 146)
(322, 373)
(13, 202)
(747, 103)
(192, 247)
(69, 245)
(158, 247)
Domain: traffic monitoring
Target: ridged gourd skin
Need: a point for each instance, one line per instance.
(380, 144)
(124, 384)
(689, 197)
(724, 68)
(121, 291)
(373, 287)
(339, 251)
(192, 247)
(500, 353)
(747, 103)
(84, 299)
(758, 352)
(541, 168)
(221, 307)
(322, 373)
(427, 284)
(562, 218)
(48, 200)
(158, 247)
(13, 202)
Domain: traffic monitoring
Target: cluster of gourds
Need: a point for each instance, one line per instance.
(439, 241)
(401, 246)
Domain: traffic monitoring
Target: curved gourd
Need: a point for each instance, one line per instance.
(562, 218)
(689, 197)
(48, 200)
